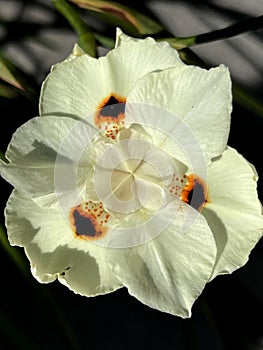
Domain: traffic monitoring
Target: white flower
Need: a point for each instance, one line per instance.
(126, 178)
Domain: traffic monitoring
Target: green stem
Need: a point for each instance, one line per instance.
(85, 36)
(230, 31)
(225, 33)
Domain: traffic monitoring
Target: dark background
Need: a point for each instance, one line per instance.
(229, 313)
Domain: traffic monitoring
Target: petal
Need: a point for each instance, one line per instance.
(157, 166)
(31, 180)
(76, 87)
(233, 212)
(38, 140)
(53, 250)
(76, 52)
(121, 38)
(41, 146)
(168, 133)
(169, 272)
(198, 98)
(150, 195)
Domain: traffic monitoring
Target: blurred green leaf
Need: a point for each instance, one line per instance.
(105, 41)
(14, 253)
(14, 80)
(86, 38)
(7, 92)
(130, 20)
(7, 73)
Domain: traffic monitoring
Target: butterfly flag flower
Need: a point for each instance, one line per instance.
(126, 180)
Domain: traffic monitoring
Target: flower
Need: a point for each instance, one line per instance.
(126, 178)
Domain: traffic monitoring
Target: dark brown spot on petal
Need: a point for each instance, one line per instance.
(112, 108)
(84, 225)
(87, 223)
(110, 111)
(195, 192)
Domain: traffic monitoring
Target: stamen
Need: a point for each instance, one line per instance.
(112, 132)
(177, 184)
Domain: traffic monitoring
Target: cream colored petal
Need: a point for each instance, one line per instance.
(233, 212)
(43, 149)
(76, 87)
(193, 105)
(168, 133)
(169, 272)
(54, 251)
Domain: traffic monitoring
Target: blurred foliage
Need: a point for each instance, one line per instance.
(12, 77)
(228, 315)
(131, 21)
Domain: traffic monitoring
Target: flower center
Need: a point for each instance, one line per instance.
(132, 173)
(127, 183)
(134, 184)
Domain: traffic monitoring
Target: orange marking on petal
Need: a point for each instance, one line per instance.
(86, 224)
(111, 110)
(195, 192)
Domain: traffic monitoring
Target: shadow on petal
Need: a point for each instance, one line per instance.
(77, 269)
(43, 152)
(218, 229)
